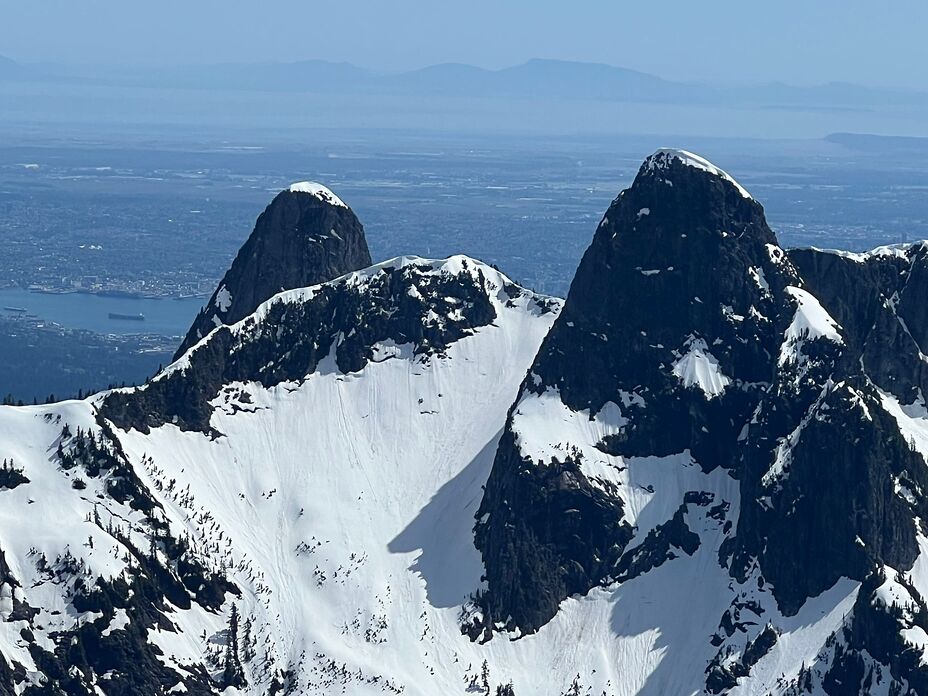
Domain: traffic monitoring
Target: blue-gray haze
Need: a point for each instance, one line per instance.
(793, 41)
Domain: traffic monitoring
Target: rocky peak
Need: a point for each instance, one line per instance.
(689, 336)
(307, 235)
(667, 163)
(683, 274)
(668, 339)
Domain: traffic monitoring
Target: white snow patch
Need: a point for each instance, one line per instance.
(729, 313)
(118, 623)
(912, 420)
(546, 429)
(223, 299)
(6, 601)
(631, 399)
(661, 159)
(317, 190)
(699, 368)
(776, 254)
(757, 275)
(389, 349)
(892, 593)
(903, 491)
(917, 637)
(900, 251)
(810, 322)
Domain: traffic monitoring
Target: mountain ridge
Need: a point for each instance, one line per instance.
(702, 472)
(535, 78)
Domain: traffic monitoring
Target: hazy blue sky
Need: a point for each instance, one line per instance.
(799, 41)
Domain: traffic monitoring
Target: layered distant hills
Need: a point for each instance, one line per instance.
(537, 78)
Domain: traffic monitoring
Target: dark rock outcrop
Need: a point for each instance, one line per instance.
(683, 256)
(407, 303)
(305, 236)
(851, 455)
(879, 300)
(682, 267)
(687, 314)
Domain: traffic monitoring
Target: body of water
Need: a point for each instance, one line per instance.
(91, 312)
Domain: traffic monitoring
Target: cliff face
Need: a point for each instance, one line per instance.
(690, 337)
(879, 299)
(674, 320)
(306, 236)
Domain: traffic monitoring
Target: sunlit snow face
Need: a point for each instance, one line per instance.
(317, 190)
(662, 158)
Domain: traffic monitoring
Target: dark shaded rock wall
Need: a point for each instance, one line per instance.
(298, 241)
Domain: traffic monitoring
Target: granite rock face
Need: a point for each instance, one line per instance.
(675, 316)
(306, 236)
(690, 335)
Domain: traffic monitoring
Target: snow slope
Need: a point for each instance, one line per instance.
(342, 507)
(366, 484)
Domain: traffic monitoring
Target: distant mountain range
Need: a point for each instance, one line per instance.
(535, 79)
(881, 144)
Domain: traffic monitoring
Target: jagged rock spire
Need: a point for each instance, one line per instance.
(307, 235)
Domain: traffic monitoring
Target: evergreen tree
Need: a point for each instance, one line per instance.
(232, 674)
(247, 648)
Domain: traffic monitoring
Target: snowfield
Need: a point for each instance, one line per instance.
(349, 500)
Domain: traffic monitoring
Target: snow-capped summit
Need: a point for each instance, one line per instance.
(408, 306)
(317, 190)
(307, 235)
(696, 409)
(665, 346)
(663, 159)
